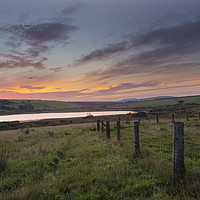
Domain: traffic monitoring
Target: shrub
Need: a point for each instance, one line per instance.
(50, 133)
(20, 138)
(3, 160)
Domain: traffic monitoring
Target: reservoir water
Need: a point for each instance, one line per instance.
(39, 116)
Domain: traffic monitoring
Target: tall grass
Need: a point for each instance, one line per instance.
(3, 160)
(76, 162)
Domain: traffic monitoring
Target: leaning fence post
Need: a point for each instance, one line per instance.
(178, 152)
(108, 129)
(139, 119)
(118, 130)
(187, 116)
(136, 134)
(119, 119)
(172, 118)
(98, 125)
(102, 126)
(157, 118)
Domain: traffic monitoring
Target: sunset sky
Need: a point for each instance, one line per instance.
(79, 50)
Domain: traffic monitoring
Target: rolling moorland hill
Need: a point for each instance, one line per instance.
(71, 160)
(190, 104)
(8, 107)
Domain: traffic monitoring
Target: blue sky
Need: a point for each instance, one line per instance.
(99, 50)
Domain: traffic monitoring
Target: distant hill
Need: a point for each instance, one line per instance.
(11, 106)
(145, 99)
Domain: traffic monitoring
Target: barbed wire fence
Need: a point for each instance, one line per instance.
(172, 149)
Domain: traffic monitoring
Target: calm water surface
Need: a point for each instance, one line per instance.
(31, 117)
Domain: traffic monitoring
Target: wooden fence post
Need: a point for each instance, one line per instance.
(187, 116)
(98, 125)
(157, 118)
(118, 130)
(199, 115)
(102, 126)
(119, 119)
(172, 118)
(139, 119)
(178, 152)
(136, 134)
(108, 129)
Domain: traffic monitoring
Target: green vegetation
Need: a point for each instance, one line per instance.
(75, 162)
(163, 106)
(161, 102)
(34, 106)
(42, 106)
(189, 104)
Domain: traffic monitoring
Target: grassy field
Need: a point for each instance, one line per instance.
(160, 102)
(34, 106)
(76, 162)
(40, 106)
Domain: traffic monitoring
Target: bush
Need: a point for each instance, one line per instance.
(27, 131)
(141, 114)
(50, 133)
(3, 160)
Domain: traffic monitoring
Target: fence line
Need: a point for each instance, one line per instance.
(178, 144)
(178, 152)
(136, 134)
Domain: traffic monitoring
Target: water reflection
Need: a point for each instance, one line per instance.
(31, 117)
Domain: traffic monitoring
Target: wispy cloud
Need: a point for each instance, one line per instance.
(28, 41)
(13, 61)
(35, 35)
(113, 92)
(100, 54)
(30, 87)
(168, 49)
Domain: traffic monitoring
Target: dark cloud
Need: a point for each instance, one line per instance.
(43, 32)
(169, 49)
(103, 53)
(126, 86)
(13, 42)
(58, 69)
(166, 88)
(187, 33)
(31, 77)
(30, 87)
(39, 38)
(35, 52)
(12, 61)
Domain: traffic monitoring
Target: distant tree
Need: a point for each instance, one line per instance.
(26, 107)
(4, 101)
(180, 101)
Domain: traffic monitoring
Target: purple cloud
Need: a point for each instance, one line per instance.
(19, 62)
(168, 45)
(79, 95)
(36, 34)
(30, 87)
(103, 53)
(39, 37)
